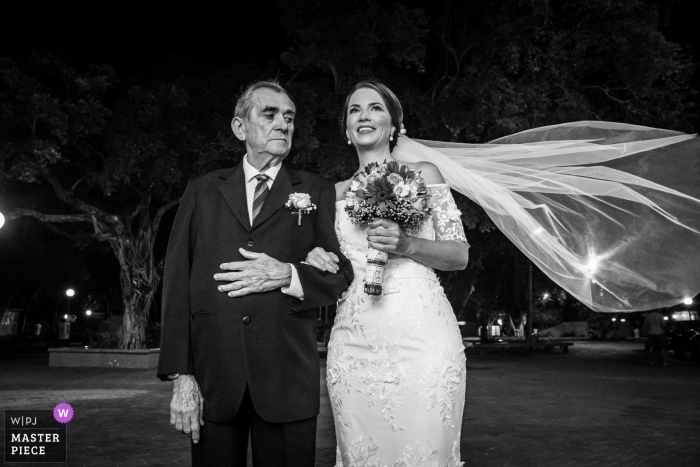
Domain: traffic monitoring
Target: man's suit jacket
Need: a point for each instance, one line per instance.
(267, 340)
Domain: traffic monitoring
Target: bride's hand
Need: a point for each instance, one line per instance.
(386, 235)
(323, 260)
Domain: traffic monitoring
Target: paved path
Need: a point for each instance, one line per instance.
(599, 405)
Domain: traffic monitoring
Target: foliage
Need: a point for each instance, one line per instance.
(475, 71)
(89, 155)
(115, 159)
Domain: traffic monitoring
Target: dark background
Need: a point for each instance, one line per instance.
(145, 44)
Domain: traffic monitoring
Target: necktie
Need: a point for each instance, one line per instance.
(261, 191)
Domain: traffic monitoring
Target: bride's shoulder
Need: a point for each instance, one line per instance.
(340, 189)
(429, 171)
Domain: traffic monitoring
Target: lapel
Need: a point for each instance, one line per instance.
(233, 190)
(279, 194)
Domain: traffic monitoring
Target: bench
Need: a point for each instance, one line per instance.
(502, 347)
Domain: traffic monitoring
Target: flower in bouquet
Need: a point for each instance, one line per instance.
(386, 191)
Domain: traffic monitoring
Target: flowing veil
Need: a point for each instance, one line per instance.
(609, 211)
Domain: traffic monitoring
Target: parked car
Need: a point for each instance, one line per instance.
(684, 340)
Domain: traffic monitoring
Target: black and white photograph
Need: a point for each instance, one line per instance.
(350, 233)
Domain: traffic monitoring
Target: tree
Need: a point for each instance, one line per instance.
(474, 71)
(116, 160)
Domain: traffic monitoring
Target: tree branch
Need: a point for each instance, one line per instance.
(54, 218)
(143, 205)
(68, 198)
(604, 91)
(336, 78)
(50, 219)
(302, 68)
(72, 189)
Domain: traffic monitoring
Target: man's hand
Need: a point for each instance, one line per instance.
(259, 274)
(323, 260)
(187, 406)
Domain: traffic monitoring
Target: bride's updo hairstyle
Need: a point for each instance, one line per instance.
(392, 103)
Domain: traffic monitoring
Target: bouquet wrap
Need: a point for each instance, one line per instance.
(374, 272)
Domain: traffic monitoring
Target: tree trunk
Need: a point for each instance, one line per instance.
(139, 281)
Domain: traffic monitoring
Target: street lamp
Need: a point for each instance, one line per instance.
(686, 301)
(88, 312)
(2, 220)
(69, 294)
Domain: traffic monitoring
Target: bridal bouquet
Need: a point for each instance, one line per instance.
(386, 191)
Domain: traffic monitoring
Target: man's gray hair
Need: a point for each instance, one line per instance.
(245, 102)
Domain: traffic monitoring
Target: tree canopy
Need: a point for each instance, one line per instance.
(107, 156)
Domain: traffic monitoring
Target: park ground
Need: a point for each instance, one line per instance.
(601, 404)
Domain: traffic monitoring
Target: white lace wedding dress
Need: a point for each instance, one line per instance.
(396, 365)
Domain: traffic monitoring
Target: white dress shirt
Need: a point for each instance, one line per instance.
(251, 182)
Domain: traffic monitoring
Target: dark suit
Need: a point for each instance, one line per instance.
(261, 345)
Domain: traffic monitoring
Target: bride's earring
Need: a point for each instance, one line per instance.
(348, 137)
(391, 135)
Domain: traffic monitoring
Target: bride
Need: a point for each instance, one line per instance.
(609, 211)
(396, 366)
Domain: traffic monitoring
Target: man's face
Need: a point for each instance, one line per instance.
(269, 126)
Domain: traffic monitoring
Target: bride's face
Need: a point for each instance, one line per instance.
(368, 120)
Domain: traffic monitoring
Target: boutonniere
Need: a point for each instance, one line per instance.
(301, 202)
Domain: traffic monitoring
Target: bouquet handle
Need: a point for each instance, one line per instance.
(374, 272)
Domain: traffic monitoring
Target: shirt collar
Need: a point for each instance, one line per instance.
(250, 172)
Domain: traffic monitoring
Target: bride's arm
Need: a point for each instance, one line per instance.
(320, 258)
(450, 250)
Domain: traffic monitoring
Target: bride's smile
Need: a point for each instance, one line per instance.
(368, 120)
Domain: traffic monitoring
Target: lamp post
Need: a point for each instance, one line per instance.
(86, 328)
(70, 293)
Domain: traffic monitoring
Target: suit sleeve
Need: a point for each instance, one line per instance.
(175, 347)
(322, 288)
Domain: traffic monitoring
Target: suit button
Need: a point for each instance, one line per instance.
(246, 320)
(251, 243)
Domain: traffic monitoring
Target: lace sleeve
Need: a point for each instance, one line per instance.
(446, 217)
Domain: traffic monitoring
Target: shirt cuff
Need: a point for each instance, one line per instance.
(294, 288)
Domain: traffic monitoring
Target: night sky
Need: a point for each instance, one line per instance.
(130, 38)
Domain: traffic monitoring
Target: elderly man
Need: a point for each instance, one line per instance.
(241, 352)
